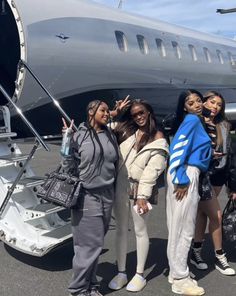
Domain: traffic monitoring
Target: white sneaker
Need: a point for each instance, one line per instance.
(136, 284)
(118, 282)
(171, 279)
(221, 264)
(187, 286)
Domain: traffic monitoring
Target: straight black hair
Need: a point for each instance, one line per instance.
(180, 112)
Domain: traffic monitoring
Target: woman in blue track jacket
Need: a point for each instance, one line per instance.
(190, 154)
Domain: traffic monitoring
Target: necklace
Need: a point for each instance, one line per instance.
(138, 136)
(139, 133)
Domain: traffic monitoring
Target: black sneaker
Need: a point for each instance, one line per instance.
(196, 259)
(221, 264)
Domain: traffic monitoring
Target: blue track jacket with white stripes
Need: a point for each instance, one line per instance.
(190, 146)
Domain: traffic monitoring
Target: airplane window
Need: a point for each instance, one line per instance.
(232, 60)
(121, 41)
(220, 56)
(161, 48)
(176, 49)
(207, 54)
(193, 52)
(142, 43)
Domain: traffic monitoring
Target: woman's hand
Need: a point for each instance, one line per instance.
(181, 191)
(65, 126)
(232, 195)
(217, 155)
(142, 207)
(122, 104)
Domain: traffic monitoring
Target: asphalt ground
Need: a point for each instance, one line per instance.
(22, 274)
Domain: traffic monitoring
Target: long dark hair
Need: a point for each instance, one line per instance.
(92, 134)
(221, 115)
(127, 126)
(180, 112)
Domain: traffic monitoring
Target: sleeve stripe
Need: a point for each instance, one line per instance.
(176, 154)
(173, 165)
(180, 144)
(175, 180)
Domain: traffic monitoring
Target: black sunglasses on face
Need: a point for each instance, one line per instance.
(135, 115)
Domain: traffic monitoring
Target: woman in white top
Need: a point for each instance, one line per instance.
(143, 158)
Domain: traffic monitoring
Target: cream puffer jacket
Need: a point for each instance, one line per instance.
(147, 165)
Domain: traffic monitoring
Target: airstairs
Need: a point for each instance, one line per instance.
(27, 223)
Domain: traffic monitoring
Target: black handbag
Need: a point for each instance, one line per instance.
(205, 188)
(229, 221)
(153, 199)
(61, 189)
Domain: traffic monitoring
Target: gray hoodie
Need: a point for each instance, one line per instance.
(94, 171)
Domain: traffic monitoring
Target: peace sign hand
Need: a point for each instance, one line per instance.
(65, 126)
(122, 104)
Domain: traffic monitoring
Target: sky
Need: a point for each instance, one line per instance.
(195, 14)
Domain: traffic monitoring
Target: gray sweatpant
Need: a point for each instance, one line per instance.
(90, 223)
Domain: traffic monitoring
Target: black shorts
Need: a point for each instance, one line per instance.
(218, 178)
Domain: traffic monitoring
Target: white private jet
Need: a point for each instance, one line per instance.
(76, 51)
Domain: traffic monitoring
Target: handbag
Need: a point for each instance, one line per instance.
(153, 199)
(64, 188)
(61, 188)
(205, 188)
(229, 221)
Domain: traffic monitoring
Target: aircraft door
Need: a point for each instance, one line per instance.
(10, 48)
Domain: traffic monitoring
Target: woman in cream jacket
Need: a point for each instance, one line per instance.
(144, 151)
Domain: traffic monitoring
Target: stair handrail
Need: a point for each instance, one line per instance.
(19, 175)
(19, 111)
(55, 101)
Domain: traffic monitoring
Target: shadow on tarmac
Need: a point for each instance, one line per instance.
(54, 261)
(156, 261)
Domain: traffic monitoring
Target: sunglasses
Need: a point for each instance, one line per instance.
(140, 113)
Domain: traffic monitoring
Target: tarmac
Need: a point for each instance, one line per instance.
(22, 274)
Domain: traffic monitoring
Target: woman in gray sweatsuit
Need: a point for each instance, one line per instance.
(96, 148)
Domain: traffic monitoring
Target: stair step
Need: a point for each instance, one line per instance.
(14, 157)
(7, 135)
(27, 182)
(31, 181)
(46, 208)
(40, 211)
(64, 232)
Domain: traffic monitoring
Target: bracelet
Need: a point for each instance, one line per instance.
(141, 196)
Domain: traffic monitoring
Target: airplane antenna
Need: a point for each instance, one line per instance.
(120, 4)
(3, 7)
